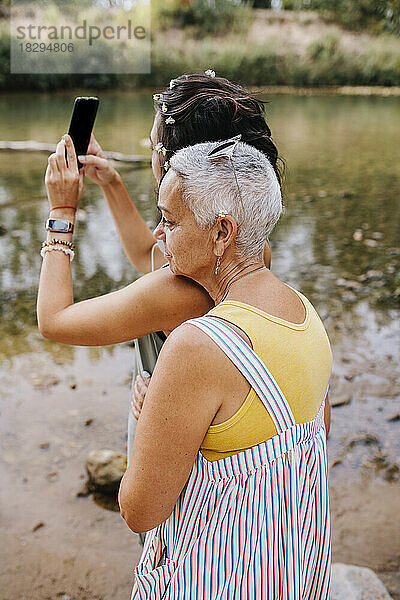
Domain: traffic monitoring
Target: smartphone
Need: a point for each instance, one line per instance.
(82, 121)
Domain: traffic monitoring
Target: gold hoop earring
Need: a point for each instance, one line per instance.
(217, 268)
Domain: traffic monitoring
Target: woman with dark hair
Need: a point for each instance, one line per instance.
(196, 107)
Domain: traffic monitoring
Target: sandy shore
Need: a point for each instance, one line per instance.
(56, 545)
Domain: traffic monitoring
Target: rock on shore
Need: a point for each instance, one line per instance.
(105, 469)
(356, 583)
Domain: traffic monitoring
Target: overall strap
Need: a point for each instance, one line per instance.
(252, 368)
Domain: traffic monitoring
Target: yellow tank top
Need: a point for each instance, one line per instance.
(299, 358)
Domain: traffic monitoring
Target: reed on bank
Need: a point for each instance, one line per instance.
(328, 59)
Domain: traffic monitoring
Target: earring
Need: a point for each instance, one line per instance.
(218, 265)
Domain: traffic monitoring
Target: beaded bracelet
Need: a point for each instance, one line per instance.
(70, 245)
(67, 251)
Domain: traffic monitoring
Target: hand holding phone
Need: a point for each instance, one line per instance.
(97, 167)
(82, 121)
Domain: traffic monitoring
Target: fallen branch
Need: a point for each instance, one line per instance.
(33, 146)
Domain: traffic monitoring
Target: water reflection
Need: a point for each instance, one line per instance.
(341, 179)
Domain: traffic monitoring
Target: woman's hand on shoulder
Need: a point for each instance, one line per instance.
(139, 392)
(96, 165)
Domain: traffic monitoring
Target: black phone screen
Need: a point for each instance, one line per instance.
(82, 121)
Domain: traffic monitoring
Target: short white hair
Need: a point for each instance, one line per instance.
(209, 187)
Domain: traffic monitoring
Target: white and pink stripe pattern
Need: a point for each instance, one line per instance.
(255, 525)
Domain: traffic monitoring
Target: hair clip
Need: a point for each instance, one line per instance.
(164, 107)
(170, 120)
(172, 84)
(160, 148)
(225, 148)
(157, 97)
(222, 213)
(166, 165)
(210, 73)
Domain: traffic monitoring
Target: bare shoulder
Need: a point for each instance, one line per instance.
(188, 336)
(196, 355)
(183, 292)
(161, 301)
(181, 283)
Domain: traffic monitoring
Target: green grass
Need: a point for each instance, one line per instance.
(325, 62)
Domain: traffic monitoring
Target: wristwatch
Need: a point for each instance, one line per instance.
(59, 226)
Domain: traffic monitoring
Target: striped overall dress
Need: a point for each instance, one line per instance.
(252, 526)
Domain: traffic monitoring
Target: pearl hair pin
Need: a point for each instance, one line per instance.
(164, 108)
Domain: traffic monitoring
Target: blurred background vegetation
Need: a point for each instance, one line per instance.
(215, 15)
(303, 43)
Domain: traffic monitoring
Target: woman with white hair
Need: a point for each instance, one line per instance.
(232, 432)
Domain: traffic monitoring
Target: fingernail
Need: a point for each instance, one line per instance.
(65, 137)
(82, 158)
(145, 374)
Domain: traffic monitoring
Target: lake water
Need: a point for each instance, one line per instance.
(342, 177)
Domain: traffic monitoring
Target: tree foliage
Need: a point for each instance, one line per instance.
(373, 15)
(203, 16)
(359, 15)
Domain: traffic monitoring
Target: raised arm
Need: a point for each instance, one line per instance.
(136, 237)
(156, 301)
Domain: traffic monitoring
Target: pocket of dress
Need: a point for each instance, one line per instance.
(152, 584)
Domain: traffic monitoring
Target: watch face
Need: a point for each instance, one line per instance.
(60, 225)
